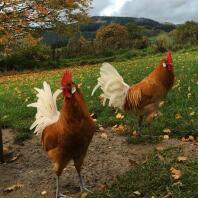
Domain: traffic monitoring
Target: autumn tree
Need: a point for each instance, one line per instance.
(18, 18)
(112, 36)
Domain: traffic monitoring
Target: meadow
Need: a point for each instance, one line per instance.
(178, 114)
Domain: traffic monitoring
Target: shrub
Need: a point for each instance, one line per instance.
(114, 36)
(26, 58)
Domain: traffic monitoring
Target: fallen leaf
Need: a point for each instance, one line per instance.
(44, 193)
(166, 131)
(119, 116)
(181, 158)
(83, 194)
(169, 195)
(119, 128)
(159, 148)
(104, 136)
(175, 173)
(189, 95)
(13, 188)
(136, 134)
(166, 137)
(183, 139)
(192, 113)
(137, 193)
(161, 104)
(191, 138)
(101, 128)
(178, 116)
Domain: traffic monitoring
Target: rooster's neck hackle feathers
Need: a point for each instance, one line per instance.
(169, 57)
(67, 78)
(169, 61)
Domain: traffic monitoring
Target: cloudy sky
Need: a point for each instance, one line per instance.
(175, 11)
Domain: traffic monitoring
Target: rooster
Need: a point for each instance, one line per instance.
(142, 98)
(65, 135)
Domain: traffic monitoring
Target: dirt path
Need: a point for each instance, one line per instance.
(106, 159)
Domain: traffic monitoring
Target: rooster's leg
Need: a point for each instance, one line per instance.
(58, 194)
(82, 187)
(78, 163)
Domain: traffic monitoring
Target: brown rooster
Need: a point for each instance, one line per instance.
(67, 134)
(142, 98)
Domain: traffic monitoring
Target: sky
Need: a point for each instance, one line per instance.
(174, 11)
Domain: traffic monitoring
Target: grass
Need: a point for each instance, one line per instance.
(17, 91)
(158, 182)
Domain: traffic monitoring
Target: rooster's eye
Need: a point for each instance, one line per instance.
(164, 64)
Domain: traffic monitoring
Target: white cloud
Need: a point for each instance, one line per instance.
(176, 11)
(113, 8)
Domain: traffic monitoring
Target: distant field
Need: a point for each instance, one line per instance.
(17, 91)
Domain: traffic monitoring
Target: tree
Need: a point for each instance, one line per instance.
(112, 36)
(21, 17)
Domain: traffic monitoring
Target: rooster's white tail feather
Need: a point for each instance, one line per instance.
(113, 86)
(47, 112)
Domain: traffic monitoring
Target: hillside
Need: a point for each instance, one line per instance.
(151, 27)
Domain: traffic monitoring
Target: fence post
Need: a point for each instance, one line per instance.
(1, 146)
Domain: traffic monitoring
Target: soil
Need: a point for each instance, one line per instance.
(108, 157)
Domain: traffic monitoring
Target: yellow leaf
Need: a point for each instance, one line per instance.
(181, 158)
(119, 128)
(191, 138)
(178, 116)
(44, 193)
(137, 193)
(175, 173)
(166, 137)
(119, 116)
(161, 104)
(166, 131)
(192, 113)
(104, 136)
(83, 195)
(189, 95)
(13, 188)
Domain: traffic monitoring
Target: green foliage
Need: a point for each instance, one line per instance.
(26, 58)
(184, 35)
(163, 43)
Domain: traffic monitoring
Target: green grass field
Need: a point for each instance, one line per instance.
(16, 92)
(179, 114)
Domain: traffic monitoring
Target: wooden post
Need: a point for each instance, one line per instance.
(1, 146)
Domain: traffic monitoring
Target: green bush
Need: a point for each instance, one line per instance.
(26, 58)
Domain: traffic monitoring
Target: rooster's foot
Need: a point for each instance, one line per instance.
(84, 189)
(61, 195)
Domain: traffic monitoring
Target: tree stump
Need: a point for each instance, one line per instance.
(1, 146)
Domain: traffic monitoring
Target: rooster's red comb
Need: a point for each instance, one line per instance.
(169, 57)
(67, 77)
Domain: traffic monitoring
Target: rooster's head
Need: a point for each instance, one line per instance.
(67, 85)
(168, 62)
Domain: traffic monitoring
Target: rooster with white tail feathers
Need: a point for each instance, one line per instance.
(142, 98)
(65, 135)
